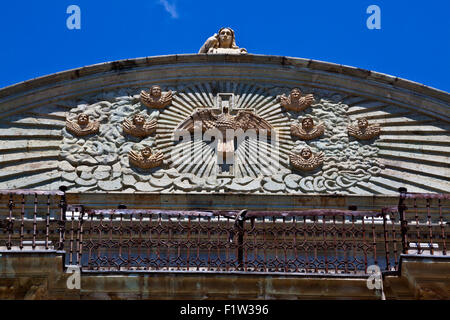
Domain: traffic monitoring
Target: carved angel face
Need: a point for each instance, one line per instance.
(139, 120)
(225, 38)
(146, 152)
(307, 124)
(363, 123)
(83, 119)
(306, 153)
(295, 94)
(155, 91)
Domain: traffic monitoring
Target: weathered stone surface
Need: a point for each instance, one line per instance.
(413, 120)
(111, 185)
(69, 176)
(102, 172)
(82, 182)
(129, 180)
(66, 166)
(145, 186)
(273, 186)
(42, 276)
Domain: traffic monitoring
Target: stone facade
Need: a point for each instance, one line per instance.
(411, 150)
(40, 276)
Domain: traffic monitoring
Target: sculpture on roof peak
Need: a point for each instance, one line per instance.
(223, 42)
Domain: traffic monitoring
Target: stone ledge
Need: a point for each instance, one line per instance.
(128, 64)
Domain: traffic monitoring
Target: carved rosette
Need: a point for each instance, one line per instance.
(296, 101)
(307, 130)
(363, 130)
(306, 160)
(146, 159)
(139, 127)
(82, 126)
(155, 98)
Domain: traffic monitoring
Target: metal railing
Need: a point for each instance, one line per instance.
(320, 241)
(424, 222)
(32, 220)
(312, 241)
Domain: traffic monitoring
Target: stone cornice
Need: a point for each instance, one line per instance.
(287, 70)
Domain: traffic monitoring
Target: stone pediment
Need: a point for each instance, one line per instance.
(410, 148)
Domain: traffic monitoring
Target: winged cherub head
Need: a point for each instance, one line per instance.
(363, 123)
(306, 153)
(139, 120)
(155, 91)
(307, 124)
(83, 119)
(296, 94)
(146, 152)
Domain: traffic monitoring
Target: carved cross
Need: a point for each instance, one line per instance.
(225, 116)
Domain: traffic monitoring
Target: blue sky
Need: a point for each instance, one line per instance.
(413, 43)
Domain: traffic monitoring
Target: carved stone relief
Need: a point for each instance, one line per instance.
(306, 160)
(155, 98)
(307, 131)
(103, 162)
(223, 42)
(83, 126)
(139, 127)
(364, 131)
(295, 101)
(146, 159)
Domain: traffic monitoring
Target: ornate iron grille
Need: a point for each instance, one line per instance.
(425, 222)
(291, 242)
(32, 220)
(313, 241)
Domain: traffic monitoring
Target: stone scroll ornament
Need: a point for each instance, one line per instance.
(139, 127)
(296, 101)
(306, 160)
(155, 98)
(82, 126)
(364, 131)
(223, 42)
(307, 131)
(145, 159)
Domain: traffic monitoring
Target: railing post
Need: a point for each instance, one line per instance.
(10, 222)
(80, 237)
(386, 242)
(62, 220)
(403, 222)
(240, 219)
